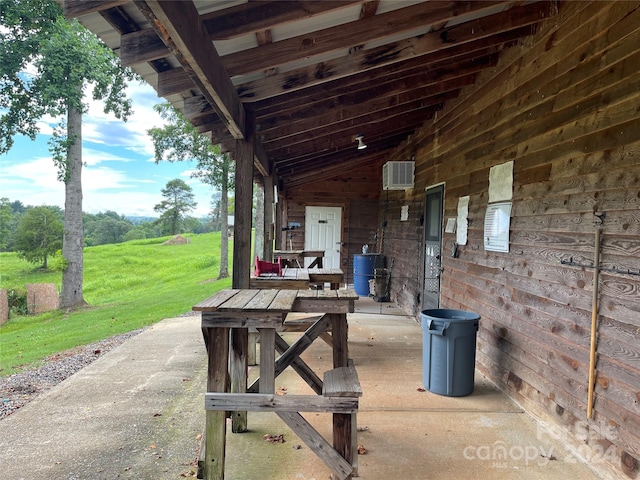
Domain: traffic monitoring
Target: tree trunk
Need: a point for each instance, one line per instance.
(224, 221)
(73, 240)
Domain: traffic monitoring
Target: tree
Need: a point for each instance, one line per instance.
(39, 235)
(178, 201)
(107, 227)
(6, 223)
(47, 62)
(178, 141)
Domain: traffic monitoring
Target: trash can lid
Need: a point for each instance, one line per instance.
(451, 315)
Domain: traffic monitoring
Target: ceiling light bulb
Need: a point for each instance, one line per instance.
(360, 140)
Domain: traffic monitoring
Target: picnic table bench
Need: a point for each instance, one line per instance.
(226, 318)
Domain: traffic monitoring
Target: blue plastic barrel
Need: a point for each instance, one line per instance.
(363, 267)
(449, 351)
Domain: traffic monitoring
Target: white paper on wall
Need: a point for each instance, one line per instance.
(451, 226)
(462, 220)
(497, 221)
(501, 182)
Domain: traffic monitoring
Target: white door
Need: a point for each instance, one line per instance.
(322, 232)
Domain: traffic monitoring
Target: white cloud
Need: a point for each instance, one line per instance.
(106, 129)
(34, 182)
(91, 156)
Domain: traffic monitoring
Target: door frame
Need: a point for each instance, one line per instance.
(435, 264)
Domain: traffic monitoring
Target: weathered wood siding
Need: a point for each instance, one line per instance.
(565, 107)
(356, 192)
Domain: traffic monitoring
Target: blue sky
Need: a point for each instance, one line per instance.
(119, 174)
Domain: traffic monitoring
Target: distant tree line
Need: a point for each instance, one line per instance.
(38, 230)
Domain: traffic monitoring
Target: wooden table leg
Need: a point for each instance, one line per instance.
(342, 422)
(216, 423)
(238, 370)
(267, 383)
(342, 436)
(339, 333)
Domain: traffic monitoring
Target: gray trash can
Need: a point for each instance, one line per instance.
(449, 351)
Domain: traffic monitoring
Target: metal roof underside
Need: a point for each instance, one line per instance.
(308, 76)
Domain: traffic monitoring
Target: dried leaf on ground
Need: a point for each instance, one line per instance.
(269, 437)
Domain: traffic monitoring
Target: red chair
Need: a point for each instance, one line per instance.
(268, 267)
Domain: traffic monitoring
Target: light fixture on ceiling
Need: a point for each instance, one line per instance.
(360, 139)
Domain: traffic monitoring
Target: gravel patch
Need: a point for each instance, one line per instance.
(19, 389)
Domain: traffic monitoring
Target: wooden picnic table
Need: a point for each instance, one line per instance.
(226, 318)
(294, 258)
(298, 278)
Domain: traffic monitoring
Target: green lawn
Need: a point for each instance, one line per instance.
(127, 286)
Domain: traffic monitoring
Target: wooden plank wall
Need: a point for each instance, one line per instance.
(399, 240)
(565, 108)
(352, 191)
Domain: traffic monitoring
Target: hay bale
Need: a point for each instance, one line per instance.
(4, 306)
(41, 297)
(177, 240)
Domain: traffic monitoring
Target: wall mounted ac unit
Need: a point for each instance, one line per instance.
(397, 175)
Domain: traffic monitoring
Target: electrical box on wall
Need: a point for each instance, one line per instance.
(397, 175)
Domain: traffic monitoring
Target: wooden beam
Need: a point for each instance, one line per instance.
(180, 27)
(343, 37)
(196, 106)
(388, 120)
(264, 402)
(399, 51)
(361, 81)
(171, 82)
(79, 8)
(352, 121)
(364, 102)
(342, 469)
(261, 160)
(140, 47)
(253, 17)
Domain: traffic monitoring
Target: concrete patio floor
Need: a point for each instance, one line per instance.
(407, 433)
(137, 413)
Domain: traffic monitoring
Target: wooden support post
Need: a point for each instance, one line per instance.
(258, 222)
(268, 217)
(242, 260)
(216, 423)
(238, 370)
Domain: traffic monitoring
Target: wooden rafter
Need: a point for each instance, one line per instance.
(178, 24)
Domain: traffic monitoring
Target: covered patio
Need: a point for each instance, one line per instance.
(487, 151)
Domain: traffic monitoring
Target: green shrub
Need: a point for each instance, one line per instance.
(17, 299)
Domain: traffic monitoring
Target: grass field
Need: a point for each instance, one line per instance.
(127, 286)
